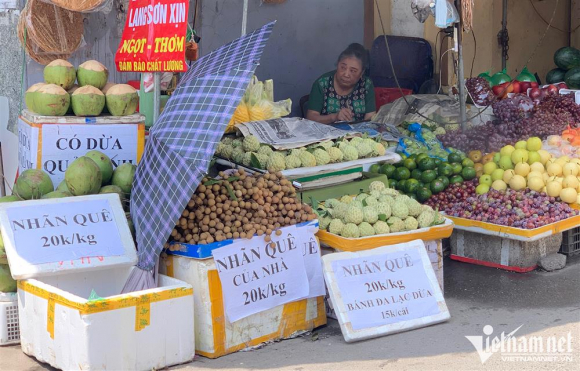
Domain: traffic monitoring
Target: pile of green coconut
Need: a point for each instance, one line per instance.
(83, 92)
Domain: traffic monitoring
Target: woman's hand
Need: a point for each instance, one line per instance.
(344, 115)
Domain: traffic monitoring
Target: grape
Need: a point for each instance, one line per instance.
(479, 90)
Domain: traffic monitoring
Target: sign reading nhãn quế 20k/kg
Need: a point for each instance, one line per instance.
(154, 37)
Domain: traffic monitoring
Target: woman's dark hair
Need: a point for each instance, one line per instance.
(358, 51)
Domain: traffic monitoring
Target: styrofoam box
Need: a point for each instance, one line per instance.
(143, 330)
(9, 328)
(215, 336)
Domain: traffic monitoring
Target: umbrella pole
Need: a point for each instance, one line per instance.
(244, 17)
(156, 95)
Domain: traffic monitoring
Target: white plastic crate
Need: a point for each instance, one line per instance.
(9, 328)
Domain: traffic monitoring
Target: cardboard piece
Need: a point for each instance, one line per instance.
(383, 291)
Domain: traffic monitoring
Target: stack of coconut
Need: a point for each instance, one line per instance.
(59, 94)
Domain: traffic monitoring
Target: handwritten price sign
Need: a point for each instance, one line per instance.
(67, 231)
(257, 275)
(154, 37)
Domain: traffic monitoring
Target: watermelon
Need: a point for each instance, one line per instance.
(567, 58)
(572, 78)
(555, 75)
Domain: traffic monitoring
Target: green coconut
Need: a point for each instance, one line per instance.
(122, 100)
(62, 187)
(104, 163)
(57, 194)
(11, 198)
(108, 86)
(7, 283)
(123, 177)
(61, 73)
(70, 92)
(33, 184)
(29, 96)
(83, 177)
(51, 100)
(92, 73)
(113, 189)
(88, 101)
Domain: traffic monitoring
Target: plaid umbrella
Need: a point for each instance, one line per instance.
(183, 140)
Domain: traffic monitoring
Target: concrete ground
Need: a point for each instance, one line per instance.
(544, 304)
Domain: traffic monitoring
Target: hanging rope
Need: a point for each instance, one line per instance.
(467, 14)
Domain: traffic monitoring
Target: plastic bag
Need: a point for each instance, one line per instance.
(422, 9)
(445, 13)
(83, 6)
(164, 81)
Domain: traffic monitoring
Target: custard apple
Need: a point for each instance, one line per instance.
(227, 140)
(415, 208)
(265, 150)
(346, 199)
(263, 160)
(324, 222)
(356, 140)
(331, 202)
(350, 153)
(389, 192)
(377, 186)
(376, 194)
(276, 162)
(247, 160)
(411, 224)
(350, 230)
(293, 162)
(400, 209)
(335, 226)
(363, 149)
(426, 219)
(361, 196)
(357, 203)
(386, 199)
(237, 143)
(335, 154)
(365, 229)
(379, 149)
(307, 159)
(371, 201)
(370, 214)
(339, 210)
(396, 224)
(381, 227)
(326, 144)
(321, 156)
(439, 219)
(384, 209)
(296, 152)
(353, 215)
(238, 155)
(439, 131)
(251, 144)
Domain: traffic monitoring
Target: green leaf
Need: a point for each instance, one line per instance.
(313, 202)
(231, 192)
(233, 178)
(383, 217)
(254, 162)
(364, 202)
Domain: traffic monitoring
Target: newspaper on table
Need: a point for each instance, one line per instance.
(436, 107)
(291, 132)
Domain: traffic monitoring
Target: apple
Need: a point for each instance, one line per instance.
(522, 144)
(507, 150)
(489, 168)
(505, 162)
(497, 174)
(482, 188)
(534, 157)
(534, 144)
(485, 179)
(519, 155)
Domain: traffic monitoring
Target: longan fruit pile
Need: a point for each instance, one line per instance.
(263, 203)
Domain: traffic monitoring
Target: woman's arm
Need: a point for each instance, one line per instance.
(323, 119)
(369, 115)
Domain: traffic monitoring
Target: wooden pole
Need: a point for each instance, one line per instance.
(460, 74)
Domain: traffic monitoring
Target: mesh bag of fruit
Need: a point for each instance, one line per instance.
(427, 138)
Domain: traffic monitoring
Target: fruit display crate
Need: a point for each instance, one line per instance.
(215, 335)
(337, 191)
(518, 234)
(51, 143)
(324, 175)
(571, 242)
(9, 325)
(340, 243)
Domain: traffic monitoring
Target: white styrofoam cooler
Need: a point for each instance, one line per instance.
(59, 325)
(9, 328)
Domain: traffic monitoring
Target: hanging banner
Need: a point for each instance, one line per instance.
(154, 37)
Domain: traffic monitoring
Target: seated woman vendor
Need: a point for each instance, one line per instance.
(344, 94)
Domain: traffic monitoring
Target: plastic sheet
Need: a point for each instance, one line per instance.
(48, 32)
(84, 6)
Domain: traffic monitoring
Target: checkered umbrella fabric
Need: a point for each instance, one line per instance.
(183, 140)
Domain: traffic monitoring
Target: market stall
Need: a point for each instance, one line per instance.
(236, 224)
